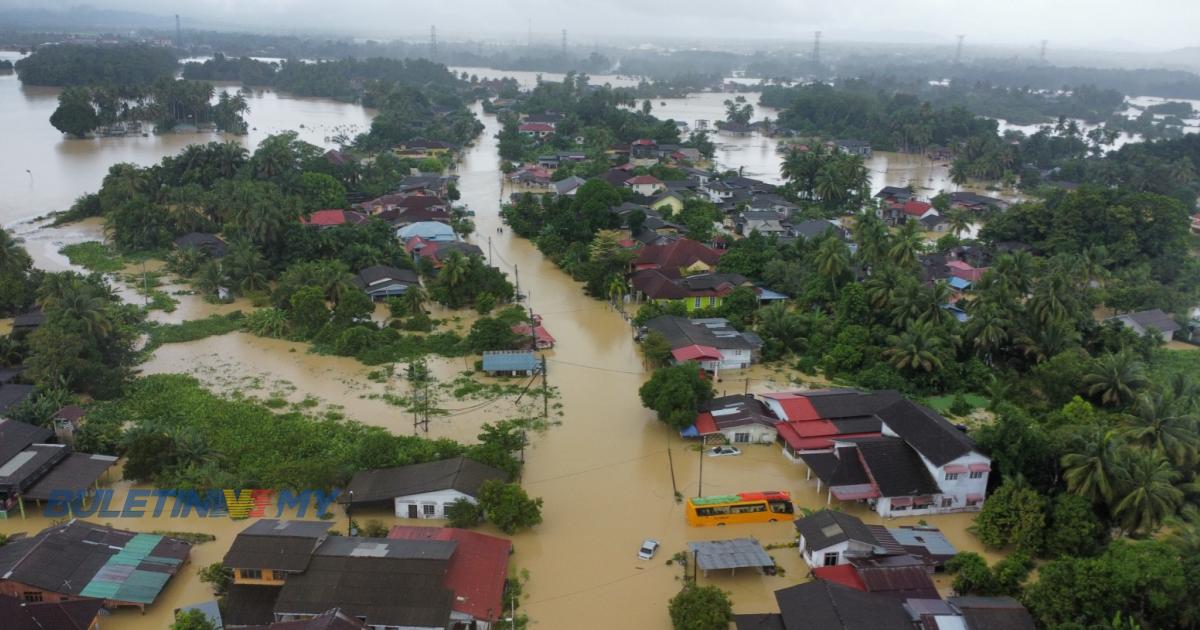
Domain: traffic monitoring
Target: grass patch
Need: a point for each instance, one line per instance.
(94, 256)
(195, 538)
(192, 330)
(942, 404)
(1166, 363)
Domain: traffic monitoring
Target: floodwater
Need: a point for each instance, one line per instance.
(608, 472)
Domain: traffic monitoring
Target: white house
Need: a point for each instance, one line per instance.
(421, 490)
(739, 419)
(829, 538)
(645, 185)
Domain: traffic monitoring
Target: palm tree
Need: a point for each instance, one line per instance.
(1093, 472)
(413, 300)
(988, 328)
(454, 270)
(1148, 493)
(919, 348)
(833, 261)
(909, 304)
(777, 324)
(1155, 425)
(12, 255)
(1042, 342)
(959, 221)
(871, 236)
(1115, 378)
(906, 245)
(882, 287)
(1015, 271)
(958, 173)
(210, 278)
(617, 288)
(80, 302)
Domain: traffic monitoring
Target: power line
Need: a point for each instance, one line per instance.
(596, 367)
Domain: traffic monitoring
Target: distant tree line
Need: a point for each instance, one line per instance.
(73, 64)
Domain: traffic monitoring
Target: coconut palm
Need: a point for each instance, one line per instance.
(12, 255)
(1156, 425)
(959, 173)
(210, 278)
(1015, 271)
(413, 300)
(988, 328)
(909, 303)
(776, 323)
(918, 348)
(1039, 342)
(617, 288)
(833, 261)
(958, 220)
(1093, 472)
(906, 245)
(871, 236)
(1115, 378)
(454, 270)
(1148, 493)
(881, 288)
(81, 303)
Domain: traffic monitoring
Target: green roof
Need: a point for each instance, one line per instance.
(720, 498)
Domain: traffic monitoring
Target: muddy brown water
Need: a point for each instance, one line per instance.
(604, 473)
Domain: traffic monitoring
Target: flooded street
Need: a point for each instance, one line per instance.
(605, 473)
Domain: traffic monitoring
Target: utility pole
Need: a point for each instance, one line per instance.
(490, 263)
(1042, 54)
(517, 277)
(816, 54)
(671, 463)
(958, 51)
(433, 53)
(564, 42)
(700, 482)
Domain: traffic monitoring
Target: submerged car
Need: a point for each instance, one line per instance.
(723, 451)
(649, 548)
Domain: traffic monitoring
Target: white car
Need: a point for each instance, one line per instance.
(649, 548)
(722, 451)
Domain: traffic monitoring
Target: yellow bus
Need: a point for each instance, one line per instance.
(745, 507)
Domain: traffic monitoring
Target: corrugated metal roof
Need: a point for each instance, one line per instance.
(730, 554)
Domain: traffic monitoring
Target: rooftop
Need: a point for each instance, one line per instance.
(276, 545)
(736, 553)
(385, 484)
(477, 570)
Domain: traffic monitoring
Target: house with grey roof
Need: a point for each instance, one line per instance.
(420, 490)
(829, 538)
(1153, 322)
(569, 186)
(383, 281)
(712, 342)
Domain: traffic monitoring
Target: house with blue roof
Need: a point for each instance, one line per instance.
(434, 231)
(510, 363)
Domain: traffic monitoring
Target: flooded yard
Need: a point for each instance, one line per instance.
(608, 473)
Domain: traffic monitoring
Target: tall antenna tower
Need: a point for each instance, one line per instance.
(958, 51)
(816, 55)
(564, 42)
(433, 53)
(531, 32)
(1042, 54)
(178, 33)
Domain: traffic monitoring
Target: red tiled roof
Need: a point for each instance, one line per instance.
(643, 141)
(844, 574)
(795, 406)
(643, 179)
(672, 256)
(705, 423)
(695, 352)
(477, 569)
(916, 208)
(539, 333)
(329, 218)
(547, 127)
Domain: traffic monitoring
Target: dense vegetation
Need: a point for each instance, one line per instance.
(177, 434)
(167, 103)
(221, 68)
(70, 64)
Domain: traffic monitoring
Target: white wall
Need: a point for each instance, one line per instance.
(759, 434)
(735, 359)
(440, 499)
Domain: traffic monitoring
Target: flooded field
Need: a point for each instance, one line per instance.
(608, 473)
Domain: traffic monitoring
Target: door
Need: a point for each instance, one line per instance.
(412, 510)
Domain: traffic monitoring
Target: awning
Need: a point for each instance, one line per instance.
(901, 501)
(696, 353)
(854, 493)
(978, 467)
(974, 497)
(956, 468)
(922, 500)
(74, 475)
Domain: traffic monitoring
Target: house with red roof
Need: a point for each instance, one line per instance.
(899, 209)
(683, 257)
(738, 419)
(476, 573)
(537, 130)
(325, 219)
(645, 185)
(964, 270)
(543, 340)
(533, 176)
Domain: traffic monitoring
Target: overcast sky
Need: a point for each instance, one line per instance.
(1147, 25)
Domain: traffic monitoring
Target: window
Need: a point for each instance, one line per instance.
(976, 474)
(973, 502)
(712, 301)
(250, 574)
(951, 476)
(899, 508)
(429, 509)
(831, 558)
(33, 597)
(696, 302)
(278, 576)
(741, 438)
(947, 502)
